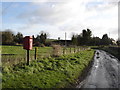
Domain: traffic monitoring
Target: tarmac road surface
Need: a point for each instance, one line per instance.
(105, 72)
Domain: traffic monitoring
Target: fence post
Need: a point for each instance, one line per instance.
(28, 57)
(35, 53)
(77, 49)
(74, 49)
(70, 49)
(63, 50)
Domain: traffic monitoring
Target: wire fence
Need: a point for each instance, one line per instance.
(12, 55)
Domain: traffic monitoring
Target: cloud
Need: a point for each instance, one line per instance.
(46, 13)
(71, 16)
(64, 12)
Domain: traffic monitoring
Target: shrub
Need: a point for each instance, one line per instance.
(57, 50)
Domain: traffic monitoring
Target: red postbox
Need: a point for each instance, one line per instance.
(27, 42)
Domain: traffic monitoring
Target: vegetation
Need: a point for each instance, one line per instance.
(40, 40)
(18, 38)
(112, 50)
(85, 38)
(49, 72)
(20, 50)
(52, 72)
(105, 40)
(118, 42)
(57, 50)
(16, 54)
(9, 38)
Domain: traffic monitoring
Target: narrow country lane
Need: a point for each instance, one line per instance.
(105, 72)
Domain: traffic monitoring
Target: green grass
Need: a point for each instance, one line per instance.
(16, 54)
(20, 50)
(49, 72)
(20, 54)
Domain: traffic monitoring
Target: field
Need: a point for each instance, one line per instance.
(20, 50)
(16, 54)
(50, 72)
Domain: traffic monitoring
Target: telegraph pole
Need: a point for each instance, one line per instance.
(65, 39)
(109, 34)
(65, 43)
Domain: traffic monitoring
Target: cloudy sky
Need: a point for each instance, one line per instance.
(59, 16)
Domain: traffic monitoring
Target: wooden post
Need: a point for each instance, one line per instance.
(77, 49)
(35, 53)
(65, 39)
(74, 49)
(28, 57)
(63, 51)
(70, 49)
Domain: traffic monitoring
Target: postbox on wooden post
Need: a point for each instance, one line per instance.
(27, 44)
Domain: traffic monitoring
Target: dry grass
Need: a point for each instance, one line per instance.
(57, 50)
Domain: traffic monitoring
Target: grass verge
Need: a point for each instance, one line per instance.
(58, 72)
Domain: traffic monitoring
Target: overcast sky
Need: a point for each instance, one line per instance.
(59, 16)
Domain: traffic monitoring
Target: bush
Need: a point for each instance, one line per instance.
(57, 50)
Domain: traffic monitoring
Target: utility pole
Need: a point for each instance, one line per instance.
(109, 34)
(65, 43)
(65, 39)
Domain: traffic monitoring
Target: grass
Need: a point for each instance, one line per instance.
(16, 54)
(58, 72)
(20, 50)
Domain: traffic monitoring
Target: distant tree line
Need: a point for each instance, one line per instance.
(9, 38)
(84, 38)
(118, 42)
(40, 40)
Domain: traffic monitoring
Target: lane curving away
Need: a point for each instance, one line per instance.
(105, 72)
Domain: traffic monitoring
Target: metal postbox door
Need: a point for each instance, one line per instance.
(30, 43)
